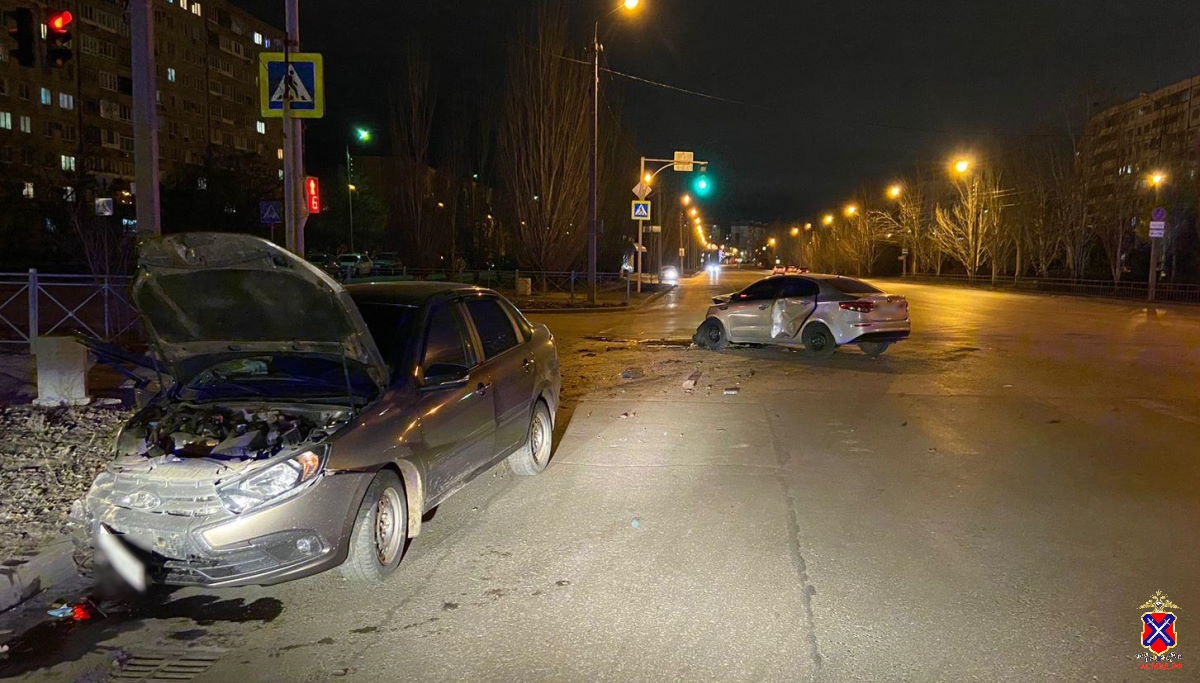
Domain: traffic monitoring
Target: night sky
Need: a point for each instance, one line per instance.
(827, 96)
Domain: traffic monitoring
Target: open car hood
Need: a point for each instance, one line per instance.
(217, 294)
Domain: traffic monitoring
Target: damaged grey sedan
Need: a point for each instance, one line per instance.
(301, 425)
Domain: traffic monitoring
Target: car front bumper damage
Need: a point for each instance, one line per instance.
(303, 535)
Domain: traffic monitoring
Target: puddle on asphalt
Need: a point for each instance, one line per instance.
(94, 620)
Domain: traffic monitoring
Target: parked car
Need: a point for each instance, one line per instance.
(354, 265)
(818, 312)
(307, 425)
(323, 261)
(778, 270)
(387, 262)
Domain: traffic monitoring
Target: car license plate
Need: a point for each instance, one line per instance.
(125, 563)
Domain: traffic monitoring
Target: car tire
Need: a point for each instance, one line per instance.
(533, 455)
(818, 341)
(711, 335)
(873, 349)
(380, 531)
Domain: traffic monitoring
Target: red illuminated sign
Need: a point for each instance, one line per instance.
(312, 194)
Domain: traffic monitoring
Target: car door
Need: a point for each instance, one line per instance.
(457, 413)
(750, 312)
(794, 303)
(510, 364)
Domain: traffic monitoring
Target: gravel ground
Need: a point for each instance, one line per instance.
(48, 458)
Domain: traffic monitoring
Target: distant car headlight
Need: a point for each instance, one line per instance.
(670, 274)
(277, 481)
(713, 268)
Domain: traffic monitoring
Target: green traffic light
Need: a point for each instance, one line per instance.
(702, 186)
(364, 135)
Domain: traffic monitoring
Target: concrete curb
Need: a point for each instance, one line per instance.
(600, 309)
(22, 579)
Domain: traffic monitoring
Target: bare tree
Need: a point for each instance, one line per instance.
(410, 111)
(545, 142)
(964, 230)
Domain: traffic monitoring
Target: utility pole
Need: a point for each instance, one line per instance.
(350, 194)
(145, 117)
(592, 169)
(294, 211)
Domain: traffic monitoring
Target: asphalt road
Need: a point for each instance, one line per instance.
(992, 499)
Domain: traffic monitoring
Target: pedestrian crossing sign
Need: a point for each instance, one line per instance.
(641, 210)
(298, 80)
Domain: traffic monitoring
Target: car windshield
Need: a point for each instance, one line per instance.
(391, 326)
(849, 285)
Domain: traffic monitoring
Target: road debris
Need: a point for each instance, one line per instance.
(690, 382)
(633, 373)
(732, 391)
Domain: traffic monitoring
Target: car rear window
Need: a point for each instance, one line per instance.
(848, 285)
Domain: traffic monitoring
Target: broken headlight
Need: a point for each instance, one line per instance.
(277, 481)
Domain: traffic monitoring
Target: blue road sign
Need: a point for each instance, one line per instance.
(270, 212)
(641, 210)
(1159, 214)
(300, 81)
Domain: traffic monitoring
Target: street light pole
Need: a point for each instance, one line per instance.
(350, 194)
(592, 166)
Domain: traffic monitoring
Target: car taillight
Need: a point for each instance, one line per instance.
(857, 306)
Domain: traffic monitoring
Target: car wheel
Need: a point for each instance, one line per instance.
(711, 335)
(818, 341)
(873, 349)
(380, 531)
(533, 456)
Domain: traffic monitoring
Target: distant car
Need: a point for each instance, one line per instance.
(791, 270)
(778, 270)
(669, 275)
(818, 312)
(387, 262)
(306, 425)
(323, 261)
(354, 265)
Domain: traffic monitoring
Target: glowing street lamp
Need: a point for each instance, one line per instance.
(648, 178)
(685, 199)
(828, 219)
(771, 242)
(1158, 178)
(693, 212)
(961, 166)
(895, 191)
(851, 210)
(795, 231)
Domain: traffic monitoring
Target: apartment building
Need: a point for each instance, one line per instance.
(59, 125)
(1155, 132)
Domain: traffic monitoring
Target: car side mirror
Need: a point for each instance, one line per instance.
(441, 375)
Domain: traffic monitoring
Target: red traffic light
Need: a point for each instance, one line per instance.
(60, 21)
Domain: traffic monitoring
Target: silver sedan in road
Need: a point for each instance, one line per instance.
(818, 312)
(304, 425)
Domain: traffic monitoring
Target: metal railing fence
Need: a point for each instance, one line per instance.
(1167, 292)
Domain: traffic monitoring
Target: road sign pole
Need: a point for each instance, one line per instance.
(294, 213)
(145, 117)
(1150, 285)
(640, 223)
(1158, 224)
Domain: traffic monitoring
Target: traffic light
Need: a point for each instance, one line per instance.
(312, 194)
(58, 37)
(701, 185)
(21, 30)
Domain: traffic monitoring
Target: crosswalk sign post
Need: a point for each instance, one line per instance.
(641, 210)
(298, 78)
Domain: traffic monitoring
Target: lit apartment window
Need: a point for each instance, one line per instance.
(6, 120)
(196, 9)
(281, 174)
(66, 100)
(171, 75)
(26, 124)
(183, 4)
(260, 127)
(257, 38)
(279, 154)
(267, 43)
(27, 192)
(46, 98)
(68, 162)
(68, 193)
